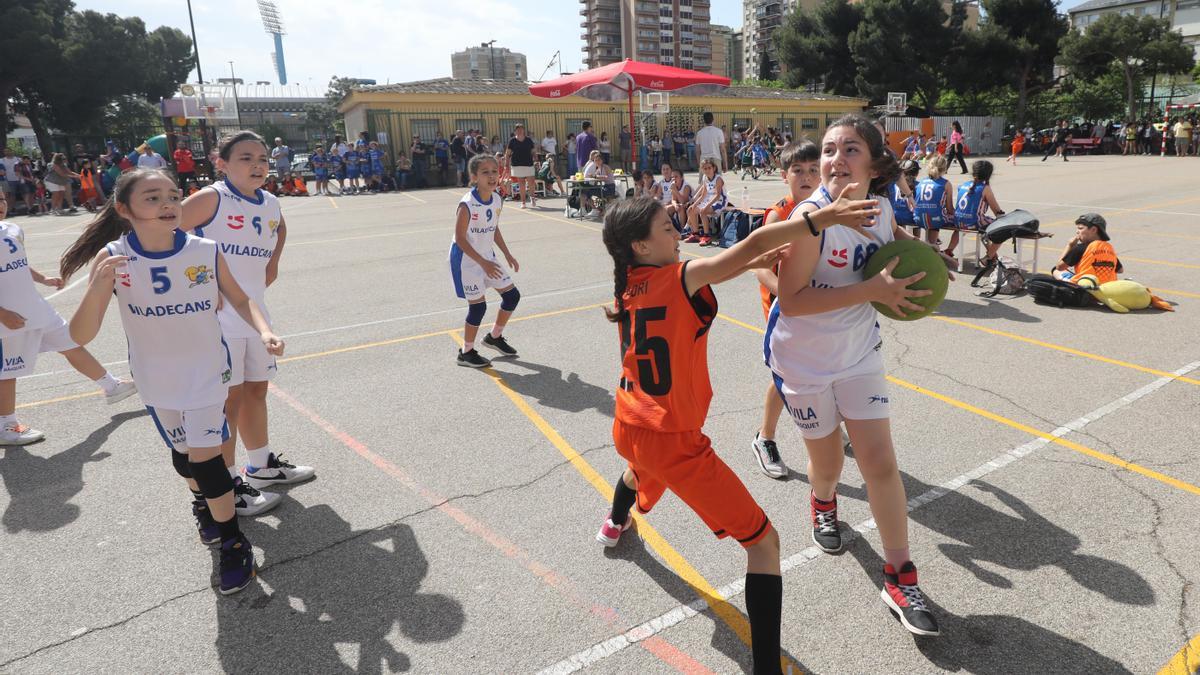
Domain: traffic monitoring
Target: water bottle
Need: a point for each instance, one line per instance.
(745, 203)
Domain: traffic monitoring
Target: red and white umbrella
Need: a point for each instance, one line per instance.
(623, 79)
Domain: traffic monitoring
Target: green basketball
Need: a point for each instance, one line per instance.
(914, 257)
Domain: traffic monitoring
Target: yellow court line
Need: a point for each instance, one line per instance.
(1168, 291)
(1082, 449)
(1163, 262)
(333, 201)
(1186, 661)
(728, 613)
(417, 199)
(1068, 350)
(60, 399)
(562, 220)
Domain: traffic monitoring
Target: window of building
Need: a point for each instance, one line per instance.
(785, 125)
(507, 125)
(575, 125)
(743, 123)
(809, 123)
(426, 129)
(665, 12)
(666, 52)
(468, 123)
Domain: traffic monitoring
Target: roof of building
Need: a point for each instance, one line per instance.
(1091, 5)
(448, 85)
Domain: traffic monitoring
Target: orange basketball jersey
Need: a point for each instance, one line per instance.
(782, 209)
(664, 382)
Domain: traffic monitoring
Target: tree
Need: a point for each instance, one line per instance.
(1098, 97)
(32, 33)
(339, 88)
(816, 46)
(1137, 45)
(1020, 40)
(900, 46)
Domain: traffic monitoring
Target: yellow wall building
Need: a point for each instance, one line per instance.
(394, 113)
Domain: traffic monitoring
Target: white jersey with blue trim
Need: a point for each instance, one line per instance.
(817, 349)
(483, 219)
(244, 227)
(17, 293)
(168, 304)
(665, 184)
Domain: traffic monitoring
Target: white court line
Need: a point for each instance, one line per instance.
(66, 288)
(680, 613)
(335, 329)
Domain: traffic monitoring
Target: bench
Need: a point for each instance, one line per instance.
(1085, 144)
(962, 240)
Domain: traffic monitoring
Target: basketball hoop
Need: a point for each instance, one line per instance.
(654, 102)
(210, 102)
(897, 103)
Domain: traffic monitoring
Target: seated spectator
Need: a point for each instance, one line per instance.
(549, 175)
(271, 185)
(403, 168)
(1089, 252)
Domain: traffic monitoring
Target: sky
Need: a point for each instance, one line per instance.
(387, 40)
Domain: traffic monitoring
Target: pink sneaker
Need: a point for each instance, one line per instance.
(610, 533)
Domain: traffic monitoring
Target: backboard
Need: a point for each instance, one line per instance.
(897, 103)
(211, 102)
(653, 102)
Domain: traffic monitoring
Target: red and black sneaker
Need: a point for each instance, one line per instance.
(825, 534)
(903, 596)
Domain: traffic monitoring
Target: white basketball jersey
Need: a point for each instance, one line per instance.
(244, 228)
(665, 199)
(168, 306)
(17, 293)
(817, 349)
(484, 218)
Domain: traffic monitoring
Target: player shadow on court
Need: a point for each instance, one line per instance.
(552, 390)
(40, 489)
(724, 640)
(1001, 310)
(1020, 539)
(337, 608)
(992, 644)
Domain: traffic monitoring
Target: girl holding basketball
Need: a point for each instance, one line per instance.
(708, 201)
(168, 285)
(247, 224)
(823, 346)
(663, 310)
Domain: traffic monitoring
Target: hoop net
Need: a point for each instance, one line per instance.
(212, 102)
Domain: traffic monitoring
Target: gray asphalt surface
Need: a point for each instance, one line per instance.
(447, 532)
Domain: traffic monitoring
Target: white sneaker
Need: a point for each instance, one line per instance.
(768, 458)
(250, 502)
(846, 446)
(278, 472)
(122, 391)
(15, 433)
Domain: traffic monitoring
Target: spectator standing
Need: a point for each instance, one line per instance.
(956, 146)
(605, 147)
(11, 180)
(420, 162)
(585, 143)
(1059, 145)
(710, 142)
(28, 184)
(656, 148)
(624, 142)
(458, 152)
(185, 165)
(148, 159)
(281, 156)
(572, 160)
(520, 157)
(1183, 136)
(677, 145)
(441, 153)
(58, 182)
(550, 145)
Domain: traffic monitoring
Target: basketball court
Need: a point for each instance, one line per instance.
(1049, 456)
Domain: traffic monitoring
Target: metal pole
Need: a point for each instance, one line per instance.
(236, 106)
(195, 45)
(1154, 80)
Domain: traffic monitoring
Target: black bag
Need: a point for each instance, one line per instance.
(1047, 290)
(1016, 223)
(736, 226)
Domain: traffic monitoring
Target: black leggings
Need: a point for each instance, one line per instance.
(956, 152)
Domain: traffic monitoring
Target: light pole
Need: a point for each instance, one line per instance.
(236, 106)
(195, 45)
(491, 57)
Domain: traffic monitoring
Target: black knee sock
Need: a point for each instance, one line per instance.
(229, 529)
(623, 498)
(764, 604)
(198, 496)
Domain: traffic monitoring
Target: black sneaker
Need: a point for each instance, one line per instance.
(499, 344)
(903, 596)
(826, 534)
(237, 565)
(205, 525)
(472, 359)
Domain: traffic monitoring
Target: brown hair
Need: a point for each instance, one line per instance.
(108, 225)
(626, 222)
(883, 162)
(804, 151)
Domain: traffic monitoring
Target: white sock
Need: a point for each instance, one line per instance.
(468, 346)
(6, 420)
(233, 470)
(108, 383)
(258, 458)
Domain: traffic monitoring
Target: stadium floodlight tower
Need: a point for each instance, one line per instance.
(274, 25)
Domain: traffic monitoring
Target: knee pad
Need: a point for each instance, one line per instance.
(212, 477)
(475, 312)
(180, 462)
(509, 299)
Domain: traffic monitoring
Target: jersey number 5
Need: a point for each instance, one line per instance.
(162, 282)
(656, 350)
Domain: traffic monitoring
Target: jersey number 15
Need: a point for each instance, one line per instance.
(653, 353)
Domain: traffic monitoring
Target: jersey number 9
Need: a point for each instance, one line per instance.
(656, 350)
